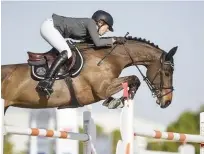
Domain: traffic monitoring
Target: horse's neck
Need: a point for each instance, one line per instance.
(143, 54)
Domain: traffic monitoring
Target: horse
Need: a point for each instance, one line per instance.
(96, 80)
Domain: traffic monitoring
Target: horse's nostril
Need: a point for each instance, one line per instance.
(167, 103)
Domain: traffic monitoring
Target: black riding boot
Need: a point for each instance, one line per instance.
(44, 87)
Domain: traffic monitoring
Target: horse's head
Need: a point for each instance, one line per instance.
(159, 64)
(160, 77)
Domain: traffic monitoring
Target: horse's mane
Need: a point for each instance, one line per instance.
(131, 38)
(143, 40)
(139, 39)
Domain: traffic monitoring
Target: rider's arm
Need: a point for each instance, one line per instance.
(99, 42)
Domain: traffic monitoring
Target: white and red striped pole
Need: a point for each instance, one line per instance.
(46, 133)
(180, 137)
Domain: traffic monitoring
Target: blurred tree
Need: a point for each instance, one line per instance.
(115, 136)
(8, 146)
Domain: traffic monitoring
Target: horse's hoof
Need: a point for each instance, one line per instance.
(107, 101)
(116, 103)
(131, 94)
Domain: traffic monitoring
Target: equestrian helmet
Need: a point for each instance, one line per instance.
(105, 16)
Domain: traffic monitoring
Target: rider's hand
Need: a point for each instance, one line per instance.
(119, 40)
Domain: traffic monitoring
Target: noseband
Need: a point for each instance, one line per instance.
(156, 91)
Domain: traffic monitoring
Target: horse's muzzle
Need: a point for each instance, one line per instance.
(166, 99)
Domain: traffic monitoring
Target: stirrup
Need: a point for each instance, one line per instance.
(44, 87)
(44, 91)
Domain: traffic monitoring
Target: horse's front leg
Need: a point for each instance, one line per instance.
(116, 86)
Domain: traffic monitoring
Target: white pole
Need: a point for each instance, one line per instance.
(202, 131)
(33, 139)
(130, 122)
(2, 127)
(86, 126)
(126, 129)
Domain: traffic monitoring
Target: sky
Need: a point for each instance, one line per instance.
(167, 24)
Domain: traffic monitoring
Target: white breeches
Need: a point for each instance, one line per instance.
(53, 37)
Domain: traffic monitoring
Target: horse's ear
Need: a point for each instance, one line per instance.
(171, 53)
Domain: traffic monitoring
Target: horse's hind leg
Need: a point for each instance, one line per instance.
(116, 86)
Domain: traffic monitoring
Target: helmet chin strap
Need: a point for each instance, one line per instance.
(98, 28)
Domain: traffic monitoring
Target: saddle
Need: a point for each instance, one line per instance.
(41, 62)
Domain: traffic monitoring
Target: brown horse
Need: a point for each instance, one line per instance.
(95, 82)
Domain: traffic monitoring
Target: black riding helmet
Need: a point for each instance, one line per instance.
(105, 16)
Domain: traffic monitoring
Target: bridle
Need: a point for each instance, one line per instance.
(156, 91)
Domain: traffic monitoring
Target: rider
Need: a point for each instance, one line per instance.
(54, 30)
